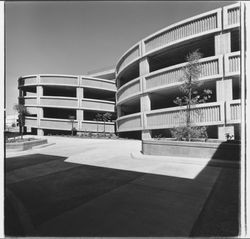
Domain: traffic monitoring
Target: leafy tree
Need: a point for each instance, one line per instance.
(190, 97)
(103, 117)
(98, 117)
(22, 112)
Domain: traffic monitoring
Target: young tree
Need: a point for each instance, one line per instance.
(98, 118)
(22, 112)
(103, 117)
(190, 97)
(106, 117)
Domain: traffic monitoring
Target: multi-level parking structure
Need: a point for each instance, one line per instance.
(148, 76)
(52, 100)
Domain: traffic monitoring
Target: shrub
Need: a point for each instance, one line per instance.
(90, 134)
(186, 133)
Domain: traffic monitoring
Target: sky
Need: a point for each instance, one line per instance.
(77, 37)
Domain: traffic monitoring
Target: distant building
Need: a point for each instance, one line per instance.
(11, 120)
(52, 99)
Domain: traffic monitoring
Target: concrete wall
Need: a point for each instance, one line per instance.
(223, 150)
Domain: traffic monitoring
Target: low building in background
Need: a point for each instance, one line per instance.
(53, 100)
(11, 121)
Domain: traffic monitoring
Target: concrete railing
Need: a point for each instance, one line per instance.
(211, 67)
(65, 124)
(202, 114)
(196, 26)
(29, 100)
(233, 109)
(232, 63)
(97, 126)
(59, 80)
(32, 109)
(130, 122)
(31, 121)
(231, 16)
(60, 124)
(28, 80)
(68, 80)
(96, 83)
(101, 105)
(59, 102)
(129, 89)
(204, 24)
(130, 56)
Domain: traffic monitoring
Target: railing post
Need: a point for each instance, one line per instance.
(220, 65)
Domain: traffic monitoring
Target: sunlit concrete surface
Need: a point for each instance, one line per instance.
(119, 154)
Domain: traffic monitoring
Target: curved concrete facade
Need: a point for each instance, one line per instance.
(51, 99)
(148, 75)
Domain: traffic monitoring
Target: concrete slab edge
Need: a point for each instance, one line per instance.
(186, 160)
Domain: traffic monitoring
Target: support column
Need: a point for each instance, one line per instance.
(119, 111)
(144, 66)
(224, 87)
(39, 93)
(79, 112)
(40, 131)
(21, 94)
(224, 90)
(145, 102)
(222, 43)
(224, 93)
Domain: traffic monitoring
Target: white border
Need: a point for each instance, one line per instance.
(245, 194)
(2, 110)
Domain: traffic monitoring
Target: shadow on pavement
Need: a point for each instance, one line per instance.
(111, 202)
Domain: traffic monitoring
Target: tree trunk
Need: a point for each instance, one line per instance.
(189, 109)
(21, 131)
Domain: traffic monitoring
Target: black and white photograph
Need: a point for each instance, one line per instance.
(125, 118)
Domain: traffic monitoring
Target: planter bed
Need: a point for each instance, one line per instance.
(213, 150)
(21, 146)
